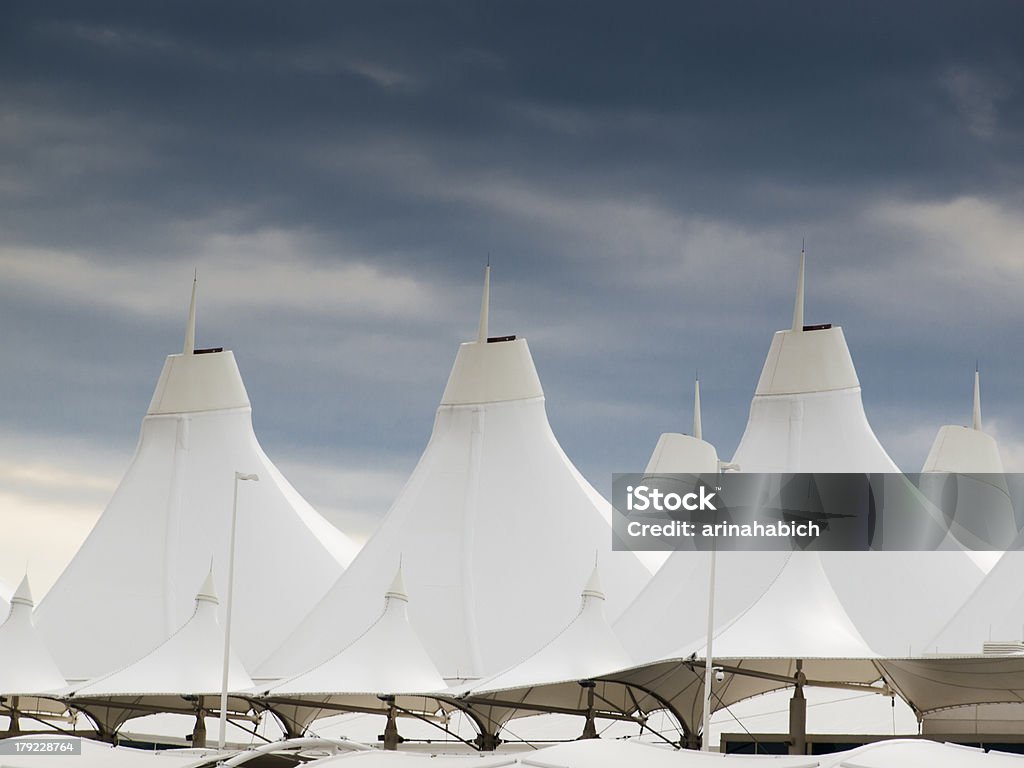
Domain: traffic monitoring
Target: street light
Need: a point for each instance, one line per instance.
(227, 618)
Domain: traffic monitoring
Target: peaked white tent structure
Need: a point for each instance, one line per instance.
(25, 665)
(559, 678)
(675, 450)
(807, 414)
(992, 616)
(181, 675)
(123, 593)
(964, 472)
(797, 633)
(386, 664)
(772, 609)
(647, 629)
(800, 615)
(492, 524)
(965, 449)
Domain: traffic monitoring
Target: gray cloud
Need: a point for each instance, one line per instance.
(338, 173)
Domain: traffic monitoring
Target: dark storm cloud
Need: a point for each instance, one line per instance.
(287, 113)
(642, 175)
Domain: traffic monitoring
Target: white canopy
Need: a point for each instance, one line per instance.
(190, 661)
(807, 414)
(668, 613)
(960, 685)
(994, 612)
(127, 588)
(492, 524)
(585, 648)
(835, 610)
(386, 659)
(799, 620)
(188, 664)
(799, 616)
(25, 665)
(678, 450)
(965, 449)
(965, 470)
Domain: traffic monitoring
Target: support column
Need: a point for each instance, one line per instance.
(391, 737)
(487, 742)
(15, 718)
(798, 714)
(589, 728)
(199, 730)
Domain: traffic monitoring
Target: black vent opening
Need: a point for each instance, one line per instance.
(207, 351)
(498, 339)
(821, 327)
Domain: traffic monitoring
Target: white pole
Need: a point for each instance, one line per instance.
(227, 617)
(706, 736)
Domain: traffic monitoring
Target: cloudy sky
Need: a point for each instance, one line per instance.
(642, 176)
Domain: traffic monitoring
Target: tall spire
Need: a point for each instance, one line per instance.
(798, 307)
(208, 591)
(23, 595)
(485, 304)
(593, 586)
(397, 588)
(190, 329)
(977, 399)
(696, 409)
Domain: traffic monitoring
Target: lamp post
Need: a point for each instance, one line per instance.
(227, 617)
(708, 670)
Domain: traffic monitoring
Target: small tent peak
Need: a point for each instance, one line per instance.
(976, 413)
(485, 304)
(592, 589)
(208, 592)
(397, 589)
(190, 327)
(798, 306)
(23, 594)
(697, 430)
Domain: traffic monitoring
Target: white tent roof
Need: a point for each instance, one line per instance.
(964, 469)
(591, 753)
(588, 753)
(799, 616)
(994, 612)
(599, 753)
(182, 675)
(678, 450)
(807, 414)
(123, 593)
(940, 683)
(667, 614)
(387, 658)
(484, 525)
(189, 662)
(585, 648)
(965, 449)
(25, 665)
